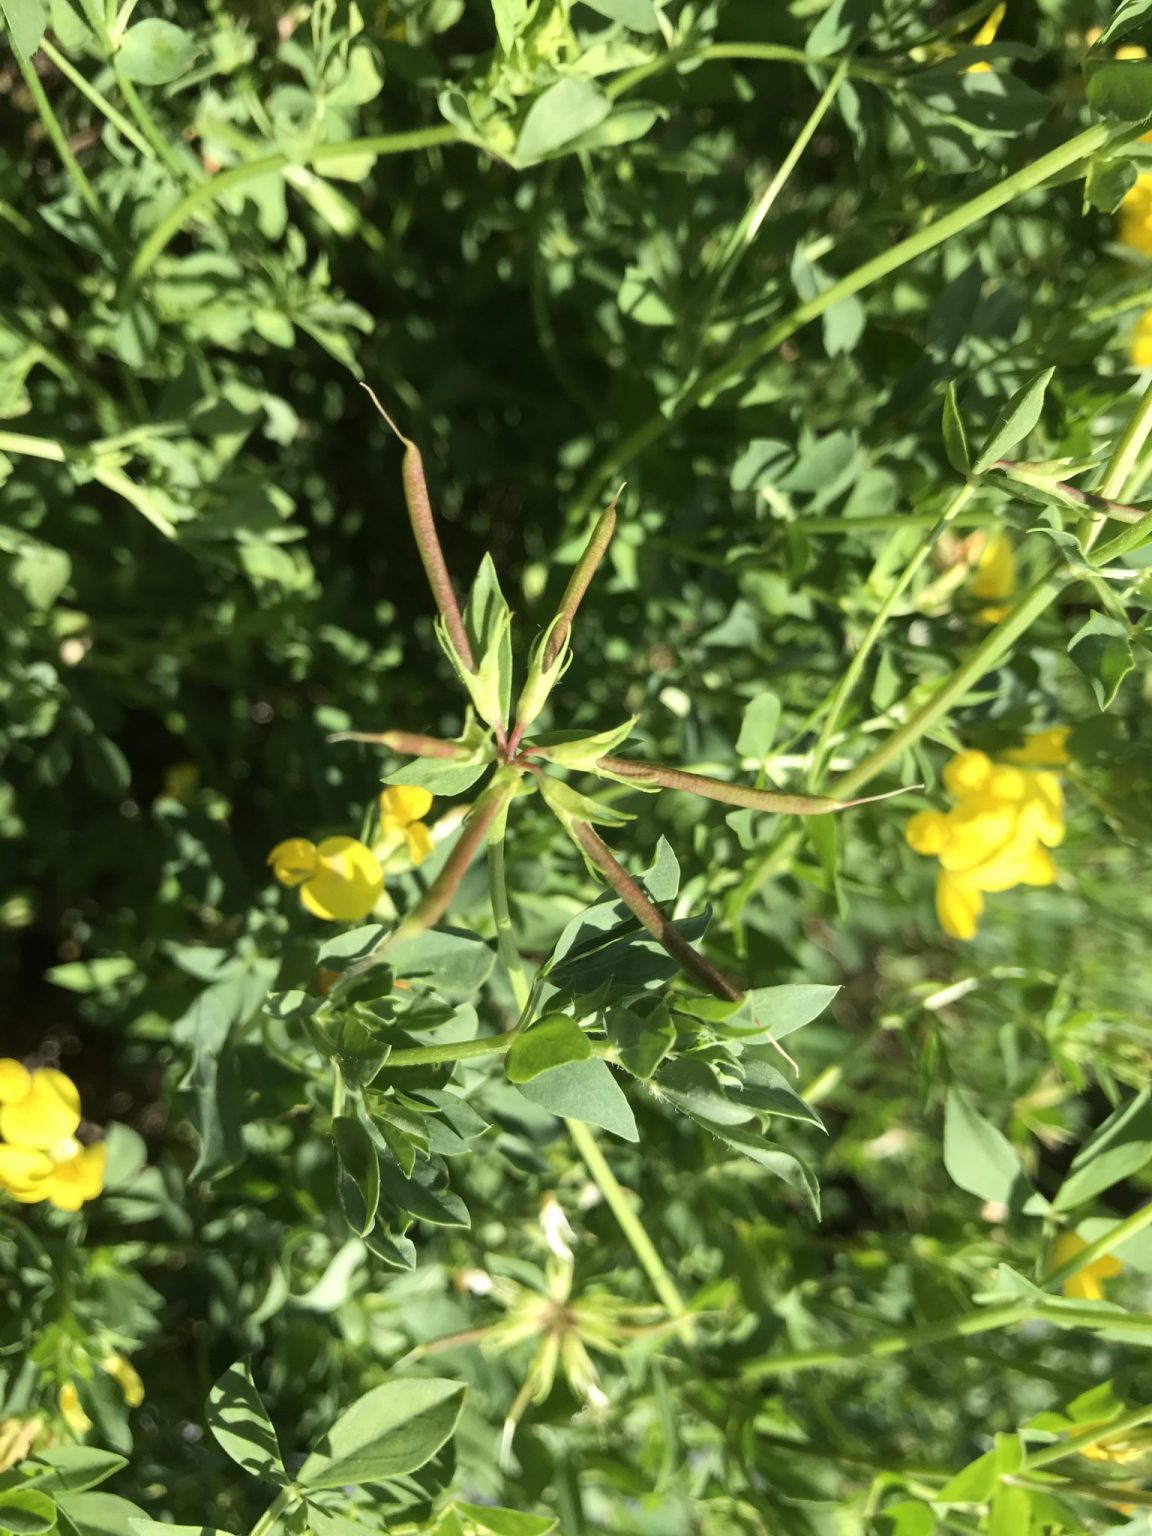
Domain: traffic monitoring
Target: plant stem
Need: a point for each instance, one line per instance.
(650, 915)
(632, 1227)
(60, 142)
(1105, 1244)
(250, 170)
(728, 793)
(126, 129)
(506, 944)
(919, 244)
(454, 1050)
(1088, 1436)
(765, 53)
(986, 655)
(285, 1500)
(847, 684)
(959, 1327)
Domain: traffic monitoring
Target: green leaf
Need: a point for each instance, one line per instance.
(391, 1430)
(1121, 1147)
(155, 52)
(439, 775)
(106, 766)
(505, 1522)
(981, 1160)
(1102, 650)
(584, 1090)
(25, 21)
(1108, 183)
(907, 1517)
(692, 1086)
(1011, 1511)
(640, 15)
(568, 805)
(552, 1042)
(955, 437)
(488, 621)
(359, 1184)
(106, 1514)
(455, 964)
(641, 1041)
(1121, 89)
(510, 16)
(239, 1421)
(974, 1483)
(72, 1468)
(782, 1010)
(750, 1143)
(1015, 421)
(92, 975)
(1129, 14)
(424, 1195)
(565, 111)
(145, 1527)
(758, 726)
(26, 1512)
(41, 573)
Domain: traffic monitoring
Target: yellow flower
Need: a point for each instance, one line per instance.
(126, 1377)
(1140, 341)
(996, 836)
(40, 1157)
(402, 809)
(1125, 51)
(987, 34)
(1042, 749)
(994, 577)
(17, 1439)
(340, 879)
(1135, 228)
(71, 1411)
(1086, 1284)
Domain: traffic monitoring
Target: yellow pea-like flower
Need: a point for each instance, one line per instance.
(126, 1377)
(340, 880)
(994, 578)
(71, 1411)
(987, 34)
(1042, 749)
(1135, 217)
(40, 1157)
(998, 834)
(1086, 1283)
(402, 811)
(1140, 341)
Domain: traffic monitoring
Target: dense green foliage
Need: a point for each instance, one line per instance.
(835, 289)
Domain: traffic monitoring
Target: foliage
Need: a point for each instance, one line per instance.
(737, 1197)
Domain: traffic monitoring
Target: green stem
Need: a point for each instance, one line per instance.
(97, 98)
(924, 240)
(1108, 1243)
(763, 53)
(1122, 465)
(286, 1499)
(506, 944)
(632, 1227)
(454, 1050)
(986, 655)
(33, 447)
(1088, 1436)
(959, 1327)
(60, 142)
(750, 225)
(852, 674)
(215, 187)
(148, 125)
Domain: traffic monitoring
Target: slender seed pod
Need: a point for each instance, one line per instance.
(578, 582)
(428, 541)
(657, 776)
(630, 893)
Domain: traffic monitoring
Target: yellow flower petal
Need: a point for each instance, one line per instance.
(419, 841)
(925, 832)
(958, 906)
(402, 804)
(1043, 749)
(126, 1377)
(23, 1172)
(74, 1416)
(975, 832)
(347, 883)
(77, 1177)
(293, 861)
(15, 1080)
(967, 772)
(1140, 341)
(995, 573)
(48, 1112)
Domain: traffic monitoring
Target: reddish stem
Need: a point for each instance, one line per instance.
(651, 917)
